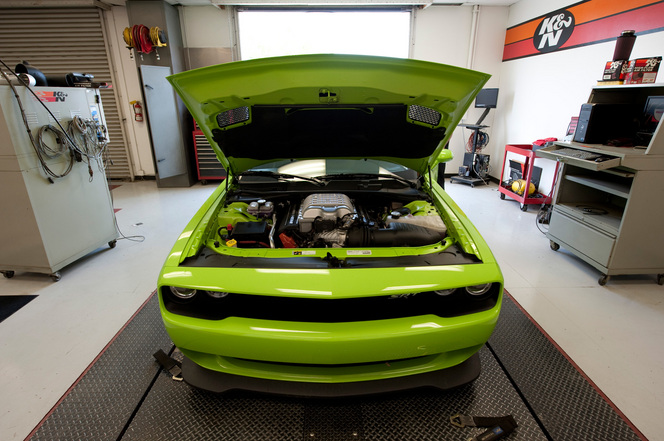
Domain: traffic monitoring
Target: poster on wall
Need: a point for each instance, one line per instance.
(582, 24)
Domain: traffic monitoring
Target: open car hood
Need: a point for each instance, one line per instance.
(328, 106)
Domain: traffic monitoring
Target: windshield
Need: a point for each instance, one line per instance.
(312, 168)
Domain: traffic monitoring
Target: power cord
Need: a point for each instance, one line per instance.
(66, 136)
(90, 141)
(63, 138)
(40, 155)
(544, 214)
(482, 141)
(136, 238)
(543, 217)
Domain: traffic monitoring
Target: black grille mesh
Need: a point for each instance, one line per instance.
(233, 116)
(424, 115)
(328, 310)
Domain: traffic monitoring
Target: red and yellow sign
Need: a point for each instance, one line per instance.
(51, 96)
(581, 24)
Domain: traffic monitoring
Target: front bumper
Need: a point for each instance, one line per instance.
(252, 343)
(331, 352)
(220, 382)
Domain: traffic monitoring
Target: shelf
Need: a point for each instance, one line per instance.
(603, 217)
(619, 189)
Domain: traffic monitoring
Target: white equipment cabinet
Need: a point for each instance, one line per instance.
(608, 211)
(45, 226)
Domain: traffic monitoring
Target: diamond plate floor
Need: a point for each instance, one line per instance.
(125, 397)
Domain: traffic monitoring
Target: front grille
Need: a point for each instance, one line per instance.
(328, 310)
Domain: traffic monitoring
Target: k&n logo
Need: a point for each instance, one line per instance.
(554, 30)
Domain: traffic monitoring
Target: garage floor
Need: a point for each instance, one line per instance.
(612, 333)
(125, 396)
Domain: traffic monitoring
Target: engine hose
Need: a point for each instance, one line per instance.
(397, 235)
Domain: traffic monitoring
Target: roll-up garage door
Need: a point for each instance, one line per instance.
(63, 40)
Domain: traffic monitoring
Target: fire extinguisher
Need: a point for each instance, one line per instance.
(138, 110)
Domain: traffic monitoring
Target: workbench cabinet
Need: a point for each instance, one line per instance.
(608, 211)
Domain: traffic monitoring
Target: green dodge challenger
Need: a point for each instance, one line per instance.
(330, 262)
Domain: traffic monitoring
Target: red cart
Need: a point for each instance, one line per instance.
(536, 198)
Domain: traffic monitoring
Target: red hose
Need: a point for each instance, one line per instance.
(141, 36)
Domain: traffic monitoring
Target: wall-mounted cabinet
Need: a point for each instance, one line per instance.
(608, 206)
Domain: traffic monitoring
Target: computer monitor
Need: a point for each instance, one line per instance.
(652, 112)
(487, 99)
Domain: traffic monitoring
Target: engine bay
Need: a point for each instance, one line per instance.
(328, 220)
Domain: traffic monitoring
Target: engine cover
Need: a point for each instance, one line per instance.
(326, 206)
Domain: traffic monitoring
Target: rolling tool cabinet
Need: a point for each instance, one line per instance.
(608, 210)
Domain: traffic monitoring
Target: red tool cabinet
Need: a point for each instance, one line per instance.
(207, 164)
(525, 150)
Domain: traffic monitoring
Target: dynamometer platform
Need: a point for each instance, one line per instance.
(125, 395)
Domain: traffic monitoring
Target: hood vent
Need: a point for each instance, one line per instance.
(233, 116)
(424, 115)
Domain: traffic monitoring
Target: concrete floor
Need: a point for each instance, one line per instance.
(613, 333)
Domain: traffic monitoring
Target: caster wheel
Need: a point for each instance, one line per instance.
(204, 182)
(55, 276)
(10, 274)
(113, 243)
(602, 280)
(472, 185)
(660, 279)
(502, 196)
(554, 246)
(524, 207)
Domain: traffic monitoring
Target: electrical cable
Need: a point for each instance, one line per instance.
(136, 238)
(89, 140)
(546, 209)
(106, 160)
(66, 141)
(38, 151)
(482, 141)
(20, 79)
(543, 213)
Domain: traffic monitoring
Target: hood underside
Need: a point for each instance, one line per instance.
(328, 106)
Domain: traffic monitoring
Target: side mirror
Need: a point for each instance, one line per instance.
(445, 156)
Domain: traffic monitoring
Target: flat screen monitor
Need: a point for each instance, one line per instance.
(653, 113)
(487, 99)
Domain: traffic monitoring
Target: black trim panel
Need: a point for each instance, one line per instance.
(208, 258)
(220, 382)
(309, 310)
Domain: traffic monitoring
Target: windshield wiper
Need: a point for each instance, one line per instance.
(275, 175)
(339, 176)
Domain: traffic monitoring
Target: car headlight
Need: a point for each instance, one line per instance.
(445, 292)
(478, 290)
(217, 294)
(183, 293)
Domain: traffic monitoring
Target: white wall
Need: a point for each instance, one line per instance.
(443, 34)
(205, 26)
(539, 94)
